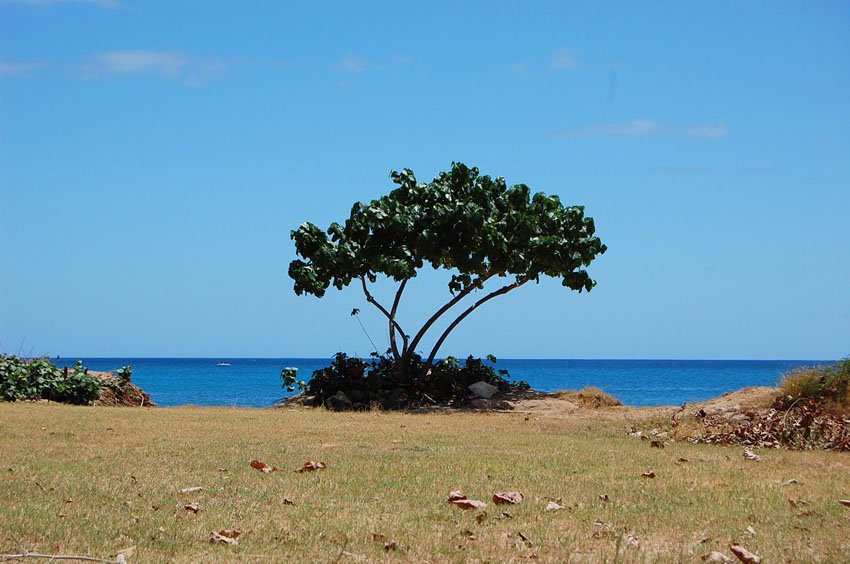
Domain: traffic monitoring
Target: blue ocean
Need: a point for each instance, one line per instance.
(255, 382)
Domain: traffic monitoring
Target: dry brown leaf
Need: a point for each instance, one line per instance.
(744, 555)
(527, 541)
(553, 506)
(751, 531)
(392, 545)
(456, 495)
(511, 498)
(194, 489)
(379, 537)
(683, 459)
(287, 501)
(505, 515)
(648, 474)
(844, 502)
(604, 497)
(657, 444)
(632, 541)
(715, 557)
(480, 517)
(310, 465)
(193, 507)
(226, 536)
(468, 534)
(750, 455)
(469, 504)
(792, 503)
(262, 467)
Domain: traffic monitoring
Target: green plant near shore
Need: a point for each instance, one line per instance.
(829, 384)
(32, 379)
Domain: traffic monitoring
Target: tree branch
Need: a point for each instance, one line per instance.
(56, 557)
(470, 309)
(382, 309)
(443, 310)
(404, 336)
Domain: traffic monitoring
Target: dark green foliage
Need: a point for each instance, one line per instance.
(474, 224)
(30, 379)
(372, 383)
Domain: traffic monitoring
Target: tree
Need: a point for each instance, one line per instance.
(461, 221)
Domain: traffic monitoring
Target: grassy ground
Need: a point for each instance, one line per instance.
(79, 480)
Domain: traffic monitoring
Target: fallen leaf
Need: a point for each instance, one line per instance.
(751, 531)
(310, 466)
(604, 497)
(481, 517)
(193, 507)
(553, 506)
(191, 490)
(649, 474)
(632, 541)
(683, 459)
(69, 500)
(456, 495)
(791, 482)
(511, 498)
(226, 536)
(750, 455)
(161, 529)
(392, 545)
(744, 555)
(262, 467)
(287, 501)
(657, 444)
(62, 515)
(715, 556)
(468, 534)
(379, 537)
(469, 504)
(792, 503)
(844, 502)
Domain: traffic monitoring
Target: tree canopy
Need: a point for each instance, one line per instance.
(473, 225)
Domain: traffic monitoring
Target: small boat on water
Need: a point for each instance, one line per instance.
(222, 363)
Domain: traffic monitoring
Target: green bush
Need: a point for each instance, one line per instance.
(32, 379)
(376, 381)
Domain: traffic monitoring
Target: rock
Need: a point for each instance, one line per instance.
(355, 395)
(483, 390)
(482, 403)
(339, 402)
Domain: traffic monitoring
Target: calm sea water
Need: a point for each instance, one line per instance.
(256, 382)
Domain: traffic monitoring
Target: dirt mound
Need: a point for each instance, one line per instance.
(756, 417)
(120, 393)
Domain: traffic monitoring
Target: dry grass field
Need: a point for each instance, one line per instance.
(94, 481)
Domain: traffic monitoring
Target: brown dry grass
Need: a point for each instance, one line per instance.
(589, 397)
(96, 480)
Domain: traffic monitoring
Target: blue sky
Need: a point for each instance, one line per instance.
(155, 155)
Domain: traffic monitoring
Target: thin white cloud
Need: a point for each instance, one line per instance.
(519, 68)
(644, 127)
(100, 3)
(166, 63)
(353, 63)
(18, 68)
(564, 59)
(710, 131)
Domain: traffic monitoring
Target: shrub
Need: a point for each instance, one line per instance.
(374, 381)
(590, 396)
(830, 384)
(31, 379)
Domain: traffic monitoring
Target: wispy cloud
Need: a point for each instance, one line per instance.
(100, 3)
(520, 67)
(169, 64)
(19, 68)
(643, 127)
(563, 59)
(353, 63)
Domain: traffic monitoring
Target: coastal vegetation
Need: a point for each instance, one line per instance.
(828, 385)
(38, 378)
(471, 225)
(95, 482)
